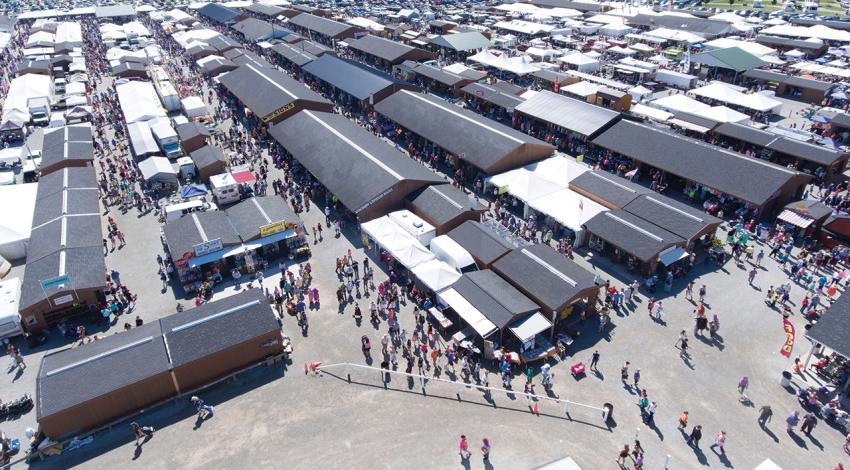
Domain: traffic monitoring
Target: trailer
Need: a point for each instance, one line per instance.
(679, 80)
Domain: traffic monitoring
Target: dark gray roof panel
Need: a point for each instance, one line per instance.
(745, 133)
(480, 241)
(219, 13)
(833, 329)
(182, 234)
(67, 143)
(385, 49)
(351, 162)
(248, 215)
(608, 187)
(75, 376)
(438, 75)
(494, 297)
(671, 215)
(68, 177)
(805, 151)
(478, 140)
(206, 156)
(632, 234)
(356, 79)
(265, 90)
(217, 326)
(85, 266)
(323, 26)
(442, 203)
(545, 274)
(749, 179)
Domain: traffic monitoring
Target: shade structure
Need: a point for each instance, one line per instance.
(470, 314)
(435, 274)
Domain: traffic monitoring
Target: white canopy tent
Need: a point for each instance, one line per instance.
(435, 274)
(651, 113)
(581, 62)
(139, 101)
(21, 90)
(16, 219)
(725, 94)
(722, 114)
(400, 244)
(569, 209)
(679, 103)
(450, 252)
(581, 89)
(515, 65)
(158, 169)
(675, 35)
(465, 310)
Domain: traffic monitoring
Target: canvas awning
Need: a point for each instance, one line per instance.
(673, 254)
(470, 314)
(527, 328)
(795, 219)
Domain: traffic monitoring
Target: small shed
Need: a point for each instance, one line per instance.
(208, 161)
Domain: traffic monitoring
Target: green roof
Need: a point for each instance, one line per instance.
(462, 41)
(732, 58)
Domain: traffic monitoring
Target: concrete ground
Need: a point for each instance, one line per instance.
(277, 415)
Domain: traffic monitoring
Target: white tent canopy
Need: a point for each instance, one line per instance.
(516, 65)
(158, 169)
(400, 244)
(16, 219)
(722, 114)
(139, 101)
(679, 103)
(465, 310)
(568, 208)
(675, 35)
(649, 112)
(582, 89)
(435, 274)
(756, 102)
(582, 62)
(450, 251)
(21, 90)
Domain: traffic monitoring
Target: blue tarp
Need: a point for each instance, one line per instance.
(192, 190)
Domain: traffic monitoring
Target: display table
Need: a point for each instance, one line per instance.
(442, 322)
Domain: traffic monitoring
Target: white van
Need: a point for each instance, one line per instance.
(10, 319)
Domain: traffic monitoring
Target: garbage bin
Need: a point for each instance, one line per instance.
(607, 411)
(785, 381)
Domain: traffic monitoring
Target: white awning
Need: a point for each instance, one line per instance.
(796, 219)
(673, 254)
(470, 314)
(527, 328)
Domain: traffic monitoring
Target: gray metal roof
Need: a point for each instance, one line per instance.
(441, 203)
(492, 95)
(265, 89)
(745, 133)
(352, 163)
(69, 177)
(75, 376)
(805, 151)
(255, 30)
(184, 233)
(114, 11)
(494, 297)
(571, 114)
(480, 141)
(264, 9)
(294, 53)
(545, 275)
(833, 328)
(704, 27)
(323, 26)
(632, 234)
(439, 75)
(746, 178)
(208, 155)
(462, 42)
(482, 242)
(671, 215)
(391, 51)
(85, 265)
(67, 143)
(358, 80)
(216, 326)
(608, 187)
(219, 13)
(248, 215)
(70, 202)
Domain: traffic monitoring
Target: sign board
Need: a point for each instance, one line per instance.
(272, 228)
(63, 299)
(208, 247)
(56, 282)
(282, 110)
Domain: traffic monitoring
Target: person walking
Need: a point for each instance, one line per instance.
(695, 436)
(702, 292)
(624, 454)
(141, 432)
(203, 409)
(743, 384)
(792, 420)
(683, 420)
(464, 448)
(809, 423)
(624, 372)
(719, 442)
(636, 377)
(19, 360)
(689, 291)
(594, 359)
(650, 413)
(486, 448)
(752, 275)
(765, 413)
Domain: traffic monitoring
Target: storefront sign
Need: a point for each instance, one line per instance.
(56, 282)
(269, 344)
(273, 228)
(63, 299)
(374, 200)
(269, 117)
(208, 247)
